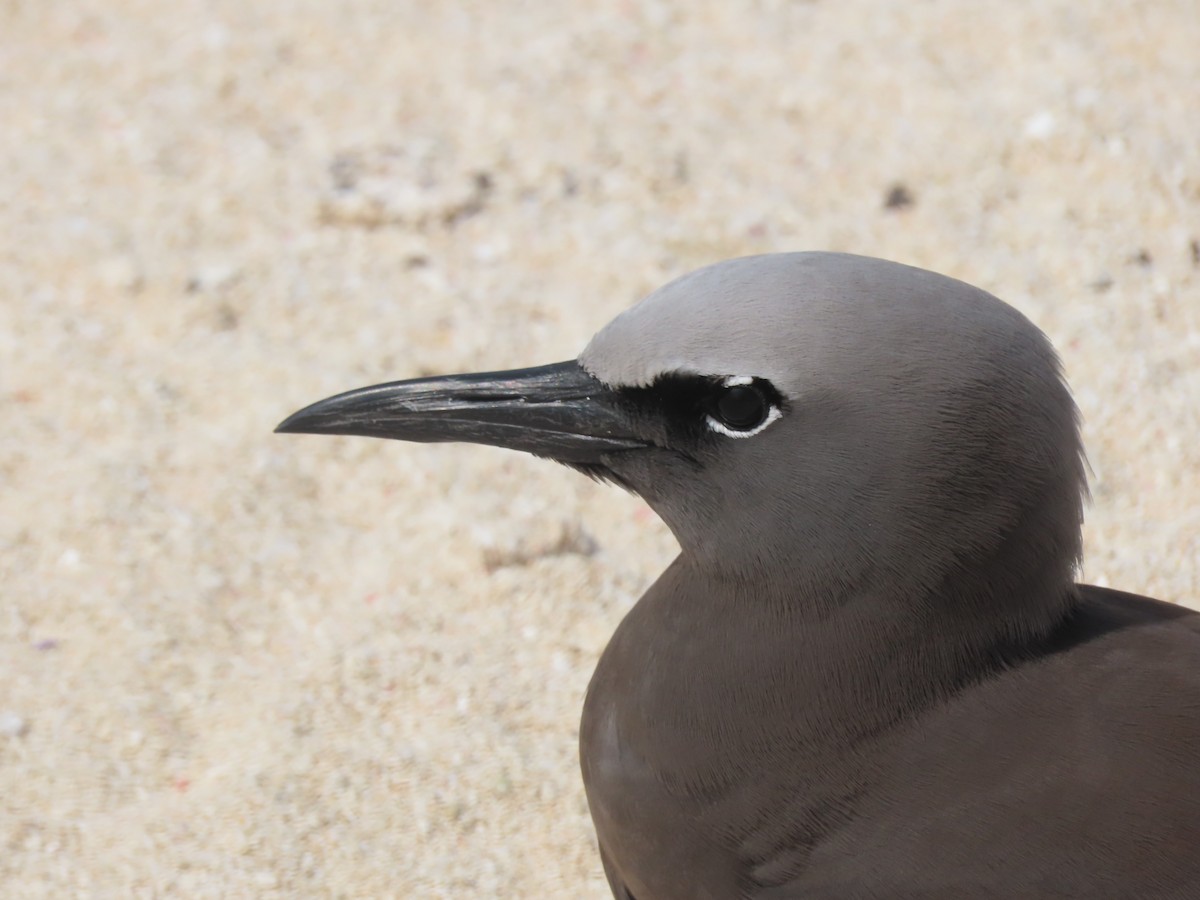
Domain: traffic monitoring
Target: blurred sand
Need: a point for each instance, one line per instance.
(240, 665)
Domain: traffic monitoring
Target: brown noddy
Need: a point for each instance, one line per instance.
(870, 672)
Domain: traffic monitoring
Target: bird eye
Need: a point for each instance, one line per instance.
(740, 408)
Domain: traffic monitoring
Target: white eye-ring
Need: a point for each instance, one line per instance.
(741, 409)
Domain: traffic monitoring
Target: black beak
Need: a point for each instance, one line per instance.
(557, 411)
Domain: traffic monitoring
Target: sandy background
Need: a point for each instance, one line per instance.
(234, 664)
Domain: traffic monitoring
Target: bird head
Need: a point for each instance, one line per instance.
(848, 421)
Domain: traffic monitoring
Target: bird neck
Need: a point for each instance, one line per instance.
(861, 656)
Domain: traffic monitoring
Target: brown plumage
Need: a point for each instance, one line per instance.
(869, 673)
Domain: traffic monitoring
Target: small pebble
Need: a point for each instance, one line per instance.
(898, 197)
(265, 879)
(122, 273)
(13, 725)
(213, 277)
(1040, 126)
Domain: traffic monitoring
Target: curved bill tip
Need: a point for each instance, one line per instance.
(300, 422)
(291, 425)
